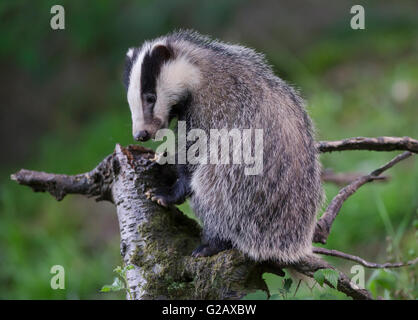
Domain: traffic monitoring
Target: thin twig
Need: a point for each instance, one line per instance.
(324, 224)
(343, 255)
(297, 288)
(344, 178)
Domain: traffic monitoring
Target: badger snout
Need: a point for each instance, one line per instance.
(142, 135)
(144, 132)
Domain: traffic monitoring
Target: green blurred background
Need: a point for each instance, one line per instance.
(63, 109)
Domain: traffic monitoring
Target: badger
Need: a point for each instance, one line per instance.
(210, 84)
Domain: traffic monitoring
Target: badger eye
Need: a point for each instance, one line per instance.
(150, 98)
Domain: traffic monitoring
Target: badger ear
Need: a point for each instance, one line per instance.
(130, 53)
(162, 52)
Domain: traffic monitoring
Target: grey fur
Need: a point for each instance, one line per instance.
(269, 216)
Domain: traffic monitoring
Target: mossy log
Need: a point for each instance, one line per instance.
(156, 241)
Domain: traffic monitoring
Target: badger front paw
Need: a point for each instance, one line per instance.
(159, 196)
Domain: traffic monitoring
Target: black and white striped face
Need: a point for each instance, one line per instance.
(156, 80)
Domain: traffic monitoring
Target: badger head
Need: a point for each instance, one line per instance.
(159, 80)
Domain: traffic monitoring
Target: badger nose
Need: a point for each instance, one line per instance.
(142, 135)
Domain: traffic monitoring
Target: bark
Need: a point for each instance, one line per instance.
(371, 144)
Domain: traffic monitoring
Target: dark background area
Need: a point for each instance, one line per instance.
(63, 109)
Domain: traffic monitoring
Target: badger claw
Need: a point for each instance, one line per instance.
(156, 157)
(160, 199)
(148, 194)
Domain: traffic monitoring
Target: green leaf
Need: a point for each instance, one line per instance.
(319, 277)
(118, 269)
(258, 295)
(117, 285)
(106, 288)
(331, 276)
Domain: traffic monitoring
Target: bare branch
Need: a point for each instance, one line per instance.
(343, 255)
(91, 184)
(391, 163)
(324, 224)
(344, 178)
(372, 144)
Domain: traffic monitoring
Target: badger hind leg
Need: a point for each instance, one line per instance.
(211, 247)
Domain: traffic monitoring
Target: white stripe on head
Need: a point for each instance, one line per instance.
(134, 89)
